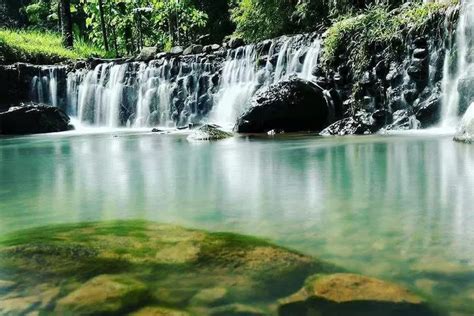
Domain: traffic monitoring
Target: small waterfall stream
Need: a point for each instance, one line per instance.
(458, 71)
(177, 90)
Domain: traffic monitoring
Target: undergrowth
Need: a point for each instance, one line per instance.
(378, 29)
(40, 47)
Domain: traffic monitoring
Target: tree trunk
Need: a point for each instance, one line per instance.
(102, 24)
(66, 23)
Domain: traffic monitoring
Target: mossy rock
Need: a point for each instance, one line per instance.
(104, 294)
(352, 295)
(121, 267)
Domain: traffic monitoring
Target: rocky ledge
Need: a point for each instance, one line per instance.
(147, 268)
(33, 119)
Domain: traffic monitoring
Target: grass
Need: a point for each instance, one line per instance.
(41, 47)
(378, 29)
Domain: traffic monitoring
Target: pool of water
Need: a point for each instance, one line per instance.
(398, 207)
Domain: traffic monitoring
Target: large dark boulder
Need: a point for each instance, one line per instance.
(33, 119)
(289, 106)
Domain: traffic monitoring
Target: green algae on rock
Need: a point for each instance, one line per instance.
(147, 268)
(121, 267)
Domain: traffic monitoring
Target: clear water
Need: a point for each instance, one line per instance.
(397, 207)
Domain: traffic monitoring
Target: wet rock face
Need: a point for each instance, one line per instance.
(33, 119)
(289, 106)
(411, 83)
(352, 295)
(465, 132)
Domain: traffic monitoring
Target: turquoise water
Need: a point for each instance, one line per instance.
(396, 207)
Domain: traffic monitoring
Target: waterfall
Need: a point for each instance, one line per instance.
(177, 90)
(458, 83)
(241, 77)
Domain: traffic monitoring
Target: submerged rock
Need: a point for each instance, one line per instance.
(33, 119)
(159, 311)
(465, 131)
(351, 294)
(122, 267)
(209, 132)
(289, 106)
(236, 310)
(104, 294)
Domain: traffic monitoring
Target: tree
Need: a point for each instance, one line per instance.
(102, 25)
(66, 23)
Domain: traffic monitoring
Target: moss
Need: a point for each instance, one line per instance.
(40, 47)
(166, 258)
(359, 37)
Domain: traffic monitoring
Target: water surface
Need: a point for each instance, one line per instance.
(396, 207)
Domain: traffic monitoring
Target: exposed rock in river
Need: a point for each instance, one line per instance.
(152, 269)
(289, 106)
(209, 132)
(33, 119)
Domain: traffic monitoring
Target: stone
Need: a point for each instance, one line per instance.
(159, 311)
(428, 112)
(147, 53)
(351, 294)
(209, 297)
(161, 55)
(6, 285)
(32, 119)
(403, 120)
(103, 294)
(19, 305)
(177, 50)
(361, 123)
(193, 50)
(236, 310)
(420, 53)
(209, 132)
(289, 106)
(465, 132)
(236, 42)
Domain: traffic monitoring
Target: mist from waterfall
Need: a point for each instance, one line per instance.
(171, 91)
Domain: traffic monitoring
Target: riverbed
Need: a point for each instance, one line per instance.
(398, 207)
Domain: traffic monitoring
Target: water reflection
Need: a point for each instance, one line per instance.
(394, 207)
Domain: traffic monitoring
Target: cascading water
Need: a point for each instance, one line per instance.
(177, 90)
(457, 84)
(241, 77)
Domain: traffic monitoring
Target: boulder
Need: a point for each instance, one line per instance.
(33, 119)
(289, 106)
(103, 294)
(193, 50)
(428, 111)
(177, 50)
(147, 53)
(352, 295)
(362, 123)
(209, 132)
(465, 132)
(236, 42)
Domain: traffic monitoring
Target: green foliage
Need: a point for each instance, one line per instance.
(259, 19)
(377, 29)
(40, 47)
